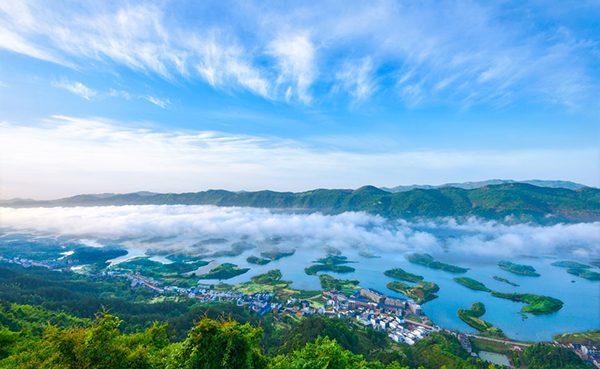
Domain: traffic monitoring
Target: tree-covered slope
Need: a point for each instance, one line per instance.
(523, 201)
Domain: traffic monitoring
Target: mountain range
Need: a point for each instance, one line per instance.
(471, 185)
(520, 202)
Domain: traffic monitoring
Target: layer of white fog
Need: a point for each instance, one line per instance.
(183, 228)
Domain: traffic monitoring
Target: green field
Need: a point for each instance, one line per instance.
(224, 271)
(472, 284)
(582, 337)
(537, 305)
(471, 317)
(518, 268)
(429, 261)
(504, 280)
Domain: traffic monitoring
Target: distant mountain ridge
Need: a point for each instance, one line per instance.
(524, 202)
(472, 185)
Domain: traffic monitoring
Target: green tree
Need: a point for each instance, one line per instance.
(212, 344)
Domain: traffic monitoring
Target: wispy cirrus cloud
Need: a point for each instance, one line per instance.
(82, 155)
(77, 88)
(88, 93)
(163, 103)
(463, 52)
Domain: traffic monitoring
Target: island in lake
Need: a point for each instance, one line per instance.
(224, 271)
(172, 273)
(237, 248)
(471, 317)
(343, 285)
(422, 293)
(584, 273)
(331, 263)
(518, 268)
(570, 264)
(537, 305)
(504, 280)
(276, 254)
(258, 261)
(429, 261)
(472, 284)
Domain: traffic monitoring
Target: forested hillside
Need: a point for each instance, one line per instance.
(65, 320)
(523, 201)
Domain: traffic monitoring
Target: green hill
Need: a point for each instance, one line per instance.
(523, 201)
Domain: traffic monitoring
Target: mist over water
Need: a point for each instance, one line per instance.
(179, 228)
(473, 243)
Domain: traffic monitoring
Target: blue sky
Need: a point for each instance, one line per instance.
(174, 96)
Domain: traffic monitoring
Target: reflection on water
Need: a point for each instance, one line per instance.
(494, 358)
(580, 312)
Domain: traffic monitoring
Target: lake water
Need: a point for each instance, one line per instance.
(475, 245)
(494, 358)
(581, 310)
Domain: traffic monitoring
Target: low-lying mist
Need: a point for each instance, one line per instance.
(189, 229)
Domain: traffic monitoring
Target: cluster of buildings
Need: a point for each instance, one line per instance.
(374, 309)
(50, 264)
(589, 352)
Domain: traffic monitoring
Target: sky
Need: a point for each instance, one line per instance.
(180, 96)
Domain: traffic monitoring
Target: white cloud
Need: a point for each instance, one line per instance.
(76, 155)
(183, 226)
(77, 88)
(295, 57)
(461, 52)
(163, 103)
(357, 78)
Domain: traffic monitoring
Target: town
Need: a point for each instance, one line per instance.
(402, 320)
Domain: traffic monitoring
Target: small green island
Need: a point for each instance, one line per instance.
(334, 260)
(471, 317)
(237, 249)
(331, 263)
(537, 305)
(224, 271)
(276, 253)
(472, 284)
(403, 275)
(518, 268)
(258, 261)
(368, 255)
(504, 280)
(584, 273)
(422, 293)
(172, 273)
(570, 264)
(595, 263)
(270, 277)
(314, 269)
(429, 261)
(267, 282)
(344, 285)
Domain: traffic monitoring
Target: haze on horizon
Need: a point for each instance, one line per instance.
(119, 97)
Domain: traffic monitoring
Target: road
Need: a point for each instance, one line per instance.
(505, 342)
